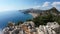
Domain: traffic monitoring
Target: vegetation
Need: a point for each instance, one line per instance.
(19, 22)
(10, 24)
(49, 17)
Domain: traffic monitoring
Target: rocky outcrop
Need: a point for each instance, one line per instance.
(29, 28)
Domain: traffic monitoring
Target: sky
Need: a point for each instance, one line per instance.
(6, 5)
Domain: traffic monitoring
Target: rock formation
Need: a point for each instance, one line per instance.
(29, 28)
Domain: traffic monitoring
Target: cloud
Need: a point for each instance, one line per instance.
(46, 4)
(55, 4)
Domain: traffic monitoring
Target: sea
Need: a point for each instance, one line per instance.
(13, 16)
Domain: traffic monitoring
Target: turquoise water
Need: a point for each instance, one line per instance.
(13, 16)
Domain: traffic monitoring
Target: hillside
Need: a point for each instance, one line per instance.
(53, 10)
(44, 16)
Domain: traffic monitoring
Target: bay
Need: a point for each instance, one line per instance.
(13, 16)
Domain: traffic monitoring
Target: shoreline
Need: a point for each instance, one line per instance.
(34, 14)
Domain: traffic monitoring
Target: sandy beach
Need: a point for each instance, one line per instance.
(34, 14)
